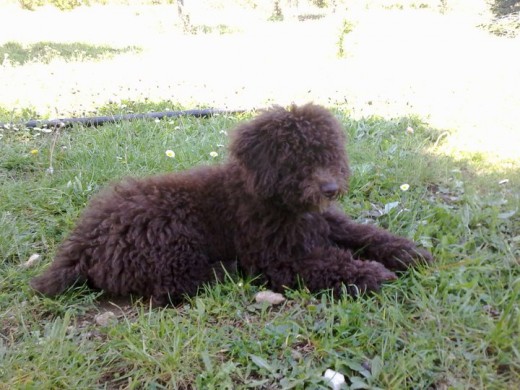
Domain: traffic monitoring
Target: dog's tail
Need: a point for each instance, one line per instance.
(62, 274)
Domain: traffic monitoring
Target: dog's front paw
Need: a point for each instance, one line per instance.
(368, 276)
(406, 257)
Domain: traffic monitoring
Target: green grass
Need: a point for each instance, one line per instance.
(45, 52)
(453, 325)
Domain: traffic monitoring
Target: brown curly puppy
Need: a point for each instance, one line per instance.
(270, 209)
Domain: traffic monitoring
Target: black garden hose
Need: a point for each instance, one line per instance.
(101, 120)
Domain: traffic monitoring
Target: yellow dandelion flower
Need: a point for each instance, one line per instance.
(405, 187)
(170, 153)
(34, 151)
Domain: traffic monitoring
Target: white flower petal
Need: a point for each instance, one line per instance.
(335, 379)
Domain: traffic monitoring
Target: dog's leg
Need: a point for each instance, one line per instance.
(396, 253)
(181, 270)
(328, 268)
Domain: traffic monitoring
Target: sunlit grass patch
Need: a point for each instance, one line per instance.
(12, 116)
(44, 52)
(504, 26)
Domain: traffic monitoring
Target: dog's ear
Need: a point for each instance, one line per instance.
(255, 148)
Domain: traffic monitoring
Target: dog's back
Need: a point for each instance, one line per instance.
(138, 235)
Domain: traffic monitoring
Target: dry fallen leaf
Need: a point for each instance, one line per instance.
(32, 261)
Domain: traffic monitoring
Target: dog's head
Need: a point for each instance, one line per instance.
(294, 158)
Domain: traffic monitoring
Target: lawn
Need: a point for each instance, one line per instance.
(453, 325)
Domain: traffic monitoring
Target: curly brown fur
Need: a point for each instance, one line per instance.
(270, 208)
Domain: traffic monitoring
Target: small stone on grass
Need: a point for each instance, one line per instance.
(106, 318)
(269, 297)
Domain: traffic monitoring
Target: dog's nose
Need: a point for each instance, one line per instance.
(330, 189)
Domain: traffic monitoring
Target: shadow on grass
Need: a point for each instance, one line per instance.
(505, 7)
(44, 52)
(458, 210)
